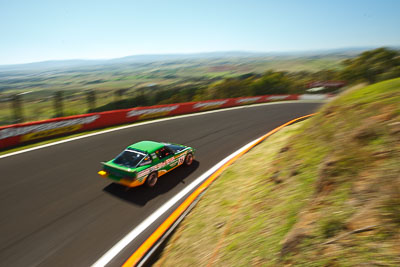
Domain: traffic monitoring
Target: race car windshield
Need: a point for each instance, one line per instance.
(129, 158)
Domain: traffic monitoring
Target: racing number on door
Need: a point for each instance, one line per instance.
(181, 160)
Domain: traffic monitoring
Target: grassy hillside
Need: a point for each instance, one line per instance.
(324, 192)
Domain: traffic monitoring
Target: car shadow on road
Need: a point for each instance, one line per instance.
(142, 194)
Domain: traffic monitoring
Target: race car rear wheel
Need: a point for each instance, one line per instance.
(189, 159)
(152, 179)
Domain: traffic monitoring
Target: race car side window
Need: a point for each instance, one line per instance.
(175, 148)
(163, 152)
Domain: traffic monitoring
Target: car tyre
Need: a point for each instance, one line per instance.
(189, 159)
(152, 179)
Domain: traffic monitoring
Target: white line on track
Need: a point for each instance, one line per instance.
(118, 247)
(147, 122)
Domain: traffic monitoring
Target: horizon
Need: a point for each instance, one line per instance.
(297, 53)
(46, 30)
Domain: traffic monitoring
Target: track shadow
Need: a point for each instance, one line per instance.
(142, 194)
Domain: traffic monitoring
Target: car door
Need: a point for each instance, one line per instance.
(180, 154)
(167, 159)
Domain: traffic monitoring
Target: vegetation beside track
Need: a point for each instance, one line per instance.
(324, 192)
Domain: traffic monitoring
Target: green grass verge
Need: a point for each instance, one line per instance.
(324, 192)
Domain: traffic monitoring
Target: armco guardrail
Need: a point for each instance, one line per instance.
(16, 134)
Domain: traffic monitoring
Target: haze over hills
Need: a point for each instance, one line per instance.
(148, 58)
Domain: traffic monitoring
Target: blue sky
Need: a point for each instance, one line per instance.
(38, 30)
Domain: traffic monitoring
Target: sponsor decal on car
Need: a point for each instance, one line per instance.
(147, 171)
(32, 132)
(173, 161)
(151, 112)
(141, 175)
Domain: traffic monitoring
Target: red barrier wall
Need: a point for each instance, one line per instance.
(13, 135)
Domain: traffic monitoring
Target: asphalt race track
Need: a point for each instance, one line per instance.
(57, 211)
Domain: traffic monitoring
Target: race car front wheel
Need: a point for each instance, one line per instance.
(189, 159)
(152, 179)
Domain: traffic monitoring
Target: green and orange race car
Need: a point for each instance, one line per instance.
(145, 161)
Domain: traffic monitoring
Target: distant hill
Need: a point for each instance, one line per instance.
(57, 64)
